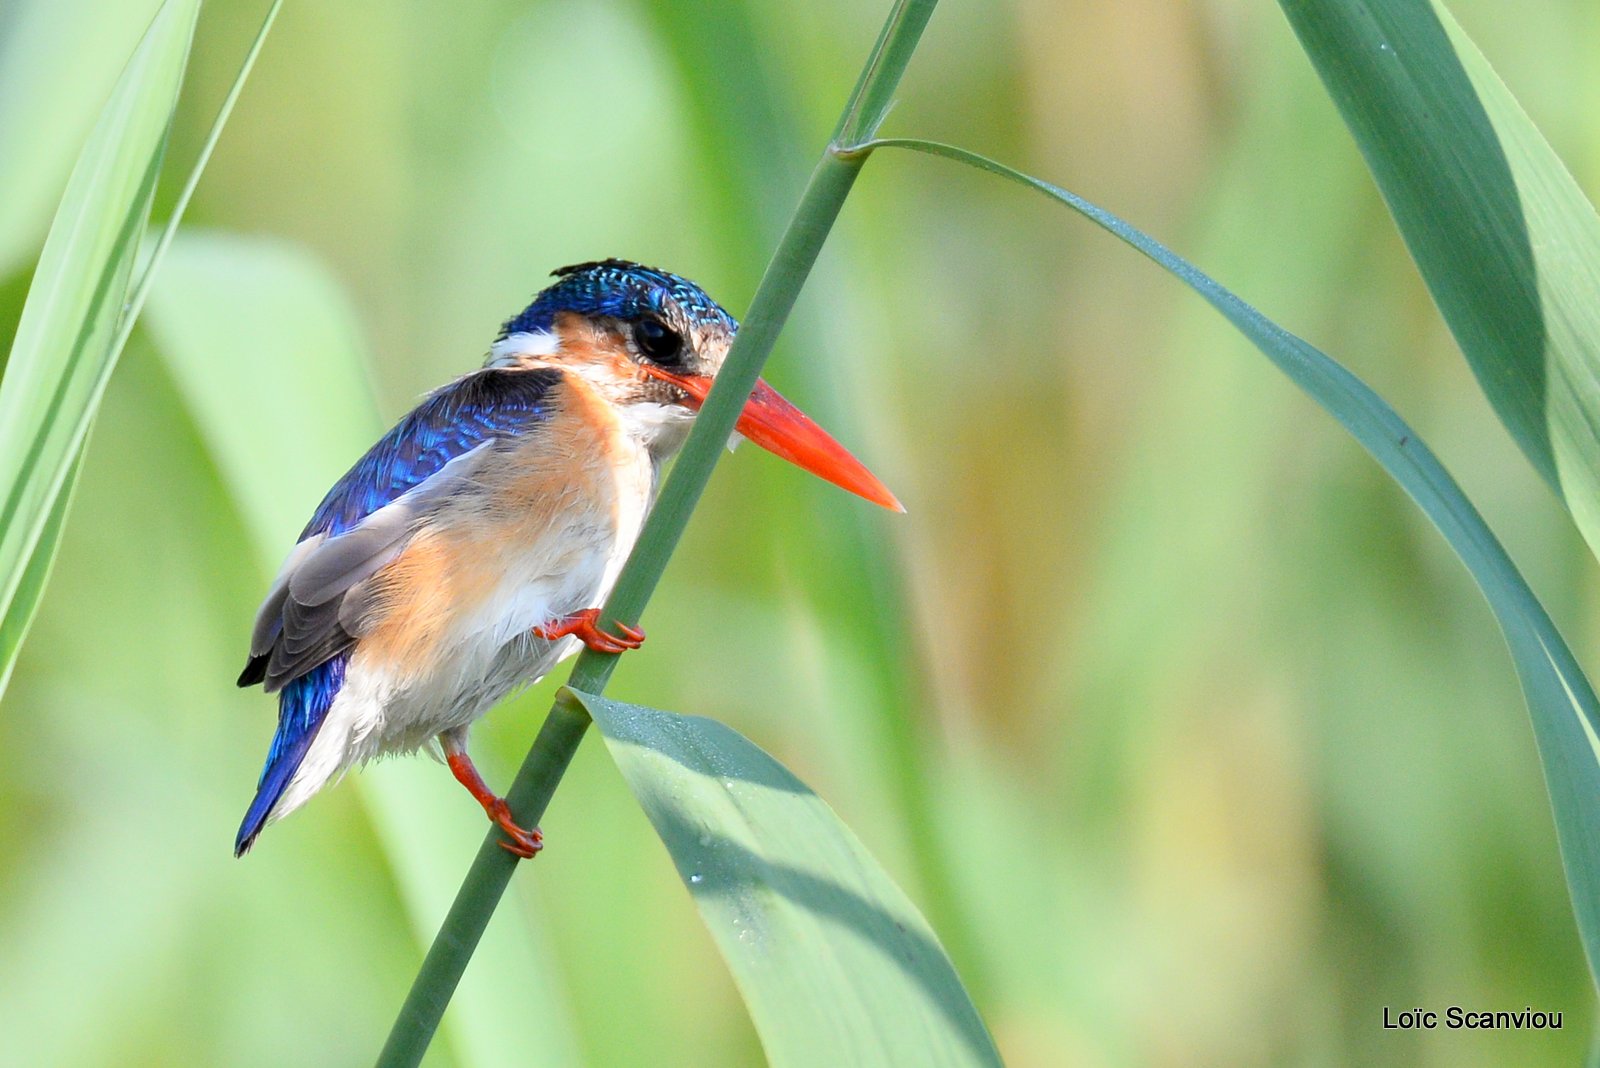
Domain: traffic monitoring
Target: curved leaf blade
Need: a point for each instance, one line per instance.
(1561, 701)
(58, 61)
(17, 617)
(1506, 241)
(70, 335)
(835, 963)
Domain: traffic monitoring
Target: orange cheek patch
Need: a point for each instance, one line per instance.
(600, 352)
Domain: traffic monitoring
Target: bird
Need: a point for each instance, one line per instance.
(469, 550)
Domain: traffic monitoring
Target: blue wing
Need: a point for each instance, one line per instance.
(450, 423)
(310, 619)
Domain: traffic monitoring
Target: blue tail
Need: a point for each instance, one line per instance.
(302, 707)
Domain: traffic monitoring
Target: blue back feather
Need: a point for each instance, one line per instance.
(451, 421)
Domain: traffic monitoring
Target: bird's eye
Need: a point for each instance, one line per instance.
(657, 341)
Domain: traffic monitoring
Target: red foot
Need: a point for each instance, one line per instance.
(581, 625)
(524, 843)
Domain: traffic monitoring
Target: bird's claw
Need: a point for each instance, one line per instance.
(525, 848)
(581, 625)
(519, 841)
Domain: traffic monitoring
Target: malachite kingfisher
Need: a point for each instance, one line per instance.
(468, 552)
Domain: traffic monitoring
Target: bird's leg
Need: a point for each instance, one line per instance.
(523, 843)
(581, 625)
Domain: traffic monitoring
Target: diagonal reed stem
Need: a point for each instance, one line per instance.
(564, 727)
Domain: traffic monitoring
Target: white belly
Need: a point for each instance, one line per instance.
(488, 652)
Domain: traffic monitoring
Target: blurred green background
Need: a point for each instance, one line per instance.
(1185, 729)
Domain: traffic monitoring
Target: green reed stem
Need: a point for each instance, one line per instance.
(564, 727)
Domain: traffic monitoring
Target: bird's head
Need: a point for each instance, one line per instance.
(651, 343)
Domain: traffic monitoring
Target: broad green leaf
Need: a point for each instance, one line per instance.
(58, 60)
(266, 351)
(835, 963)
(69, 335)
(1561, 702)
(1504, 238)
(20, 614)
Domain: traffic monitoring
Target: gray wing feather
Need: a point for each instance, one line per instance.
(355, 610)
(341, 562)
(269, 618)
(321, 600)
(311, 635)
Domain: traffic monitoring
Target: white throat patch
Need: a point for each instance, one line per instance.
(661, 427)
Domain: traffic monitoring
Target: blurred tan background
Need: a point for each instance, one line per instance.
(1184, 728)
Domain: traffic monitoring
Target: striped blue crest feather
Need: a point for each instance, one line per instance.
(619, 289)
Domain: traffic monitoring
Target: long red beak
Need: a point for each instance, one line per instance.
(784, 430)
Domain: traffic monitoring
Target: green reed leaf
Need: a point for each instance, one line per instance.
(1506, 241)
(1561, 702)
(835, 963)
(69, 336)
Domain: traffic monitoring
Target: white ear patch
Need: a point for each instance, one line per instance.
(505, 352)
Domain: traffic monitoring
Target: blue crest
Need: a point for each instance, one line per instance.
(618, 289)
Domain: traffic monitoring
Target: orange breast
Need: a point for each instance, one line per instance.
(551, 504)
